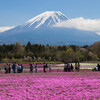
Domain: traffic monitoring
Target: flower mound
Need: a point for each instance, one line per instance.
(50, 86)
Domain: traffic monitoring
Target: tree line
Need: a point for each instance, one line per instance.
(40, 53)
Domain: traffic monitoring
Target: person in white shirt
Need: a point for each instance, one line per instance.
(97, 67)
(19, 68)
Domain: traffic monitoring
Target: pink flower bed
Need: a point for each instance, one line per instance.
(50, 86)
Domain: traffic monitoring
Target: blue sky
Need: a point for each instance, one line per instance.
(15, 12)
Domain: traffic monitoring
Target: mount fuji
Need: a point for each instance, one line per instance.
(41, 30)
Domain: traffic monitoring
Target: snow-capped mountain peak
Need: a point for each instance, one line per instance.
(46, 19)
(41, 30)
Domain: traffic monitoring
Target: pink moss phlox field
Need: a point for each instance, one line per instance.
(50, 86)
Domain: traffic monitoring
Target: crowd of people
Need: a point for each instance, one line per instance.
(45, 67)
(15, 68)
(18, 68)
(69, 67)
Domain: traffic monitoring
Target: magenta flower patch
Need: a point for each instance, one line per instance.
(50, 86)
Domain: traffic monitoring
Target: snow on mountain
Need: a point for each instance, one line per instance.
(46, 19)
(2, 29)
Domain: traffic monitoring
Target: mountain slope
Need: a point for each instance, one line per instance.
(52, 36)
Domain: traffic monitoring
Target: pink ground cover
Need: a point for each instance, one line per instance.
(50, 86)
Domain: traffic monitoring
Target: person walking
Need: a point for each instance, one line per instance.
(6, 68)
(99, 67)
(65, 67)
(9, 68)
(69, 68)
(19, 68)
(72, 68)
(14, 68)
(36, 67)
(78, 67)
(44, 67)
(31, 68)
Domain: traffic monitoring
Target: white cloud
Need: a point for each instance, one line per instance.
(98, 33)
(2, 29)
(81, 24)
